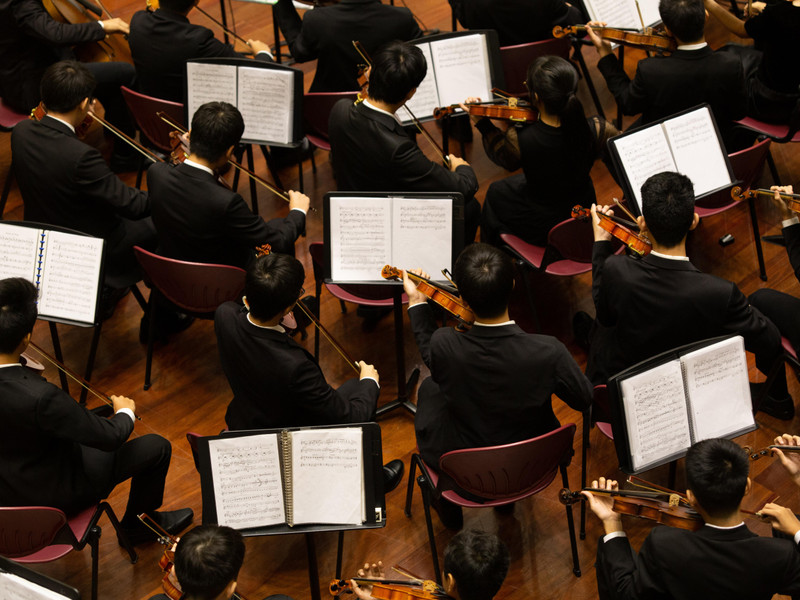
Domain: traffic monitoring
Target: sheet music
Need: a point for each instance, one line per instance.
(719, 389)
(423, 234)
(19, 251)
(208, 82)
(266, 101)
(361, 238)
(327, 472)
(462, 69)
(426, 98)
(656, 414)
(13, 587)
(617, 13)
(642, 154)
(650, 13)
(70, 276)
(698, 151)
(246, 472)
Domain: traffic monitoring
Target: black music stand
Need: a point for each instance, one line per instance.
(53, 586)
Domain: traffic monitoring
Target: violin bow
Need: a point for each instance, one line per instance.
(625, 210)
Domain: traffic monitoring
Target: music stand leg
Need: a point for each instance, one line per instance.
(313, 568)
(339, 553)
(253, 190)
(59, 356)
(403, 386)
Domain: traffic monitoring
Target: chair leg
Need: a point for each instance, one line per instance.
(94, 539)
(410, 491)
(313, 161)
(139, 297)
(151, 332)
(576, 565)
(772, 168)
(587, 426)
(424, 487)
(125, 542)
(300, 175)
(762, 269)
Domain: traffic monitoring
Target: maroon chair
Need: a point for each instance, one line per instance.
(516, 59)
(317, 108)
(196, 289)
(498, 475)
(780, 134)
(8, 120)
(37, 534)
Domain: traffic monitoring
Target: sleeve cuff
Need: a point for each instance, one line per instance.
(790, 222)
(372, 379)
(615, 534)
(295, 208)
(797, 538)
(268, 53)
(127, 411)
(103, 27)
(413, 304)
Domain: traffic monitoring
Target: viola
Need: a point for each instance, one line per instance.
(657, 42)
(511, 111)
(637, 242)
(383, 589)
(792, 200)
(451, 303)
(111, 48)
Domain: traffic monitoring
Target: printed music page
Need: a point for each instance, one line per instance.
(615, 13)
(327, 485)
(246, 472)
(208, 82)
(19, 251)
(13, 587)
(697, 150)
(719, 390)
(422, 234)
(642, 154)
(361, 238)
(656, 416)
(426, 98)
(70, 276)
(650, 14)
(462, 69)
(266, 101)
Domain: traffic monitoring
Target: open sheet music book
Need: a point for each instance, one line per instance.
(623, 13)
(18, 582)
(66, 269)
(664, 405)
(687, 143)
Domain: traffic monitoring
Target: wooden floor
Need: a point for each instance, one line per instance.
(190, 392)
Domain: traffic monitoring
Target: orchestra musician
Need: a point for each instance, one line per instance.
(659, 302)
(275, 381)
(371, 151)
(326, 34)
(57, 453)
(490, 385)
(723, 559)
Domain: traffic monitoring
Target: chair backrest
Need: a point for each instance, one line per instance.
(197, 288)
(573, 239)
(517, 58)
(144, 109)
(510, 470)
(9, 117)
(317, 108)
(28, 529)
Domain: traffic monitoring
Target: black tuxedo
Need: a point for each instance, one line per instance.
(327, 33)
(734, 564)
(490, 385)
(371, 152)
(57, 453)
(199, 220)
(650, 305)
(663, 86)
(162, 41)
(66, 182)
(277, 383)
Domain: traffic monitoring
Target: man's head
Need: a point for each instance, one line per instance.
(273, 283)
(685, 19)
(216, 127)
(668, 207)
(17, 312)
(716, 474)
(65, 85)
(397, 69)
(179, 6)
(207, 561)
(477, 562)
(485, 278)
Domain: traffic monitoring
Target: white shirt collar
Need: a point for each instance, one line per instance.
(10, 365)
(70, 125)
(277, 328)
(511, 322)
(721, 527)
(669, 256)
(693, 46)
(380, 110)
(191, 163)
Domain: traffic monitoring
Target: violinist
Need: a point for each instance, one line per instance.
(723, 559)
(492, 384)
(693, 74)
(560, 146)
(275, 381)
(662, 301)
(57, 453)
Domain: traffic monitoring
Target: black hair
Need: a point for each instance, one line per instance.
(216, 126)
(555, 81)
(17, 312)
(65, 85)
(478, 561)
(207, 559)
(668, 207)
(272, 283)
(397, 68)
(716, 472)
(686, 19)
(178, 6)
(485, 278)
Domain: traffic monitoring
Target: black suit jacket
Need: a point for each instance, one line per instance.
(42, 429)
(162, 41)
(651, 305)
(665, 85)
(516, 21)
(734, 564)
(327, 33)
(791, 236)
(277, 383)
(199, 220)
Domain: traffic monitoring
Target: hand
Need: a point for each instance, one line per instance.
(754, 9)
(368, 371)
(782, 519)
(299, 200)
(258, 46)
(790, 461)
(601, 504)
(470, 100)
(455, 161)
(783, 189)
(603, 46)
(120, 402)
(116, 26)
(600, 234)
(373, 571)
(414, 295)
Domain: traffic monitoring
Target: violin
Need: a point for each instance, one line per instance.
(451, 303)
(792, 200)
(111, 48)
(619, 228)
(363, 80)
(650, 40)
(511, 111)
(39, 111)
(385, 589)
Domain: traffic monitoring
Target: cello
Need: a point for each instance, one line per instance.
(111, 48)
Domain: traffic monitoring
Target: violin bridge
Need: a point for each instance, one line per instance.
(512, 102)
(674, 500)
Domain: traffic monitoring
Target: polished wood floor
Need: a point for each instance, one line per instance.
(190, 393)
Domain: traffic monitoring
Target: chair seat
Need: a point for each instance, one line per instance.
(568, 267)
(769, 129)
(788, 348)
(78, 523)
(319, 142)
(342, 294)
(605, 429)
(9, 117)
(530, 253)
